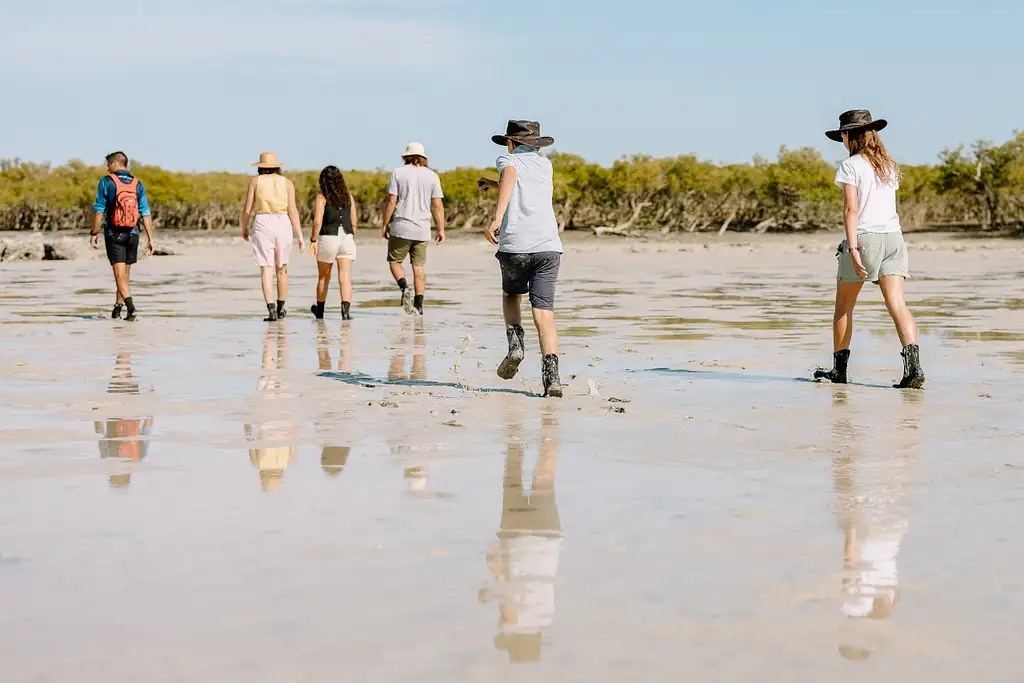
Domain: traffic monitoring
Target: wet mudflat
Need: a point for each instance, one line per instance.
(201, 496)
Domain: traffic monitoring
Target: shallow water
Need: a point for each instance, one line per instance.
(200, 496)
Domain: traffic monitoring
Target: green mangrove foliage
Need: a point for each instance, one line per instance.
(978, 187)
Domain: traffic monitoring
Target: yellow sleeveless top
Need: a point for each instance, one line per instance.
(271, 194)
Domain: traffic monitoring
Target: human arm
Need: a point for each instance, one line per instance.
(147, 218)
(437, 208)
(318, 223)
(250, 197)
(99, 208)
(293, 214)
(353, 213)
(389, 213)
(851, 218)
(506, 184)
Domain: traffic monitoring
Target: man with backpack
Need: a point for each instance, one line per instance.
(121, 204)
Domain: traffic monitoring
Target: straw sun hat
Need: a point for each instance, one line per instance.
(268, 160)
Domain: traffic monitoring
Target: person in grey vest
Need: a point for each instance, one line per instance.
(525, 231)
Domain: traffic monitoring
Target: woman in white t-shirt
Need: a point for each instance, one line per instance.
(874, 249)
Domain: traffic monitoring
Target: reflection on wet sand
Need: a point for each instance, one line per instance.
(333, 459)
(525, 560)
(272, 460)
(124, 438)
(323, 347)
(871, 478)
(418, 369)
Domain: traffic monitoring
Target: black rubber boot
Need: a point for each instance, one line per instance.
(346, 310)
(271, 313)
(129, 306)
(837, 375)
(115, 314)
(317, 310)
(913, 375)
(549, 373)
(280, 309)
(510, 366)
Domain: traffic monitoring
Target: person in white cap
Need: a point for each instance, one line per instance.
(414, 194)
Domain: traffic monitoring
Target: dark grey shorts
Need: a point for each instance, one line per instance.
(533, 273)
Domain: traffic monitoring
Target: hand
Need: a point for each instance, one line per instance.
(491, 232)
(385, 232)
(312, 249)
(302, 244)
(440, 237)
(858, 264)
(94, 240)
(151, 249)
(245, 233)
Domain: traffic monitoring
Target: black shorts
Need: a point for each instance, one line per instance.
(533, 273)
(122, 246)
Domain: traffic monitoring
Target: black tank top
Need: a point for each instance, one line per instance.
(335, 217)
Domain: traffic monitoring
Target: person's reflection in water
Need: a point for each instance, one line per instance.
(525, 561)
(272, 460)
(418, 371)
(333, 459)
(871, 482)
(124, 438)
(323, 347)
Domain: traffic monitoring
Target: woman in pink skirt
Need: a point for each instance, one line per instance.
(271, 197)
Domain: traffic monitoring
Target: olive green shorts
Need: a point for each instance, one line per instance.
(399, 248)
(882, 253)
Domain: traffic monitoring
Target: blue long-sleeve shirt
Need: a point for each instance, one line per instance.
(106, 197)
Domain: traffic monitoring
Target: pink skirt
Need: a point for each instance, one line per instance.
(271, 239)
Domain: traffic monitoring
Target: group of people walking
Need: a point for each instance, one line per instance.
(525, 231)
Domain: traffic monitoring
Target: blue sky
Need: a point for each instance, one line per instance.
(208, 84)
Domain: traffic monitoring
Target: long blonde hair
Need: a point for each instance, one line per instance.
(868, 143)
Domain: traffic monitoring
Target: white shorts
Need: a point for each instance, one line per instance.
(330, 248)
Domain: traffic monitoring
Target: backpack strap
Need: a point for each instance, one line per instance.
(117, 181)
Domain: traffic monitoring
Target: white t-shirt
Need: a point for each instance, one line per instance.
(532, 562)
(529, 226)
(414, 186)
(877, 198)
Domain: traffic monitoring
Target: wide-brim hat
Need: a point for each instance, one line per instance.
(525, 133)
(854, 120)
(414, 149)
(268, 160)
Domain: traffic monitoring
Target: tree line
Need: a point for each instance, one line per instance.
(976, 187)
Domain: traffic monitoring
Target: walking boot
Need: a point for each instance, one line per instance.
(346, 310)
(115, 314)
(271, 313)
(837, 375)
(407, 301)
(549, 373)
(913, 375)
(317, 310)
(281, 312)
(510, 366)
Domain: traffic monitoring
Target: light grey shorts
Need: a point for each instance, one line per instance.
(883, 253)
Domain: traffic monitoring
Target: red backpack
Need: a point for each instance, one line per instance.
(126, 203)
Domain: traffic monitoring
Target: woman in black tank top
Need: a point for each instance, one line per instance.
(333, 239)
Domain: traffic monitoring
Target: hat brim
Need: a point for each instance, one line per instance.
(260, 164)
(406, 156)
(537, 142)
(837, 135)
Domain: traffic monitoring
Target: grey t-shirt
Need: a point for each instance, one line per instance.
(414, 186)
(529, 226)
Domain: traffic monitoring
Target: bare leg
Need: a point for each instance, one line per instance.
(511, 308)
(323, 279)
(282, 283)
(892, 292)
(842, 318)
(545, 322)
(419, 279)
(122, 281)
(267, 280)
(397, 271)
(345, 278)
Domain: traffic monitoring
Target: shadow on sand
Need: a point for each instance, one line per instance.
(360, 379)
(729, 376)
